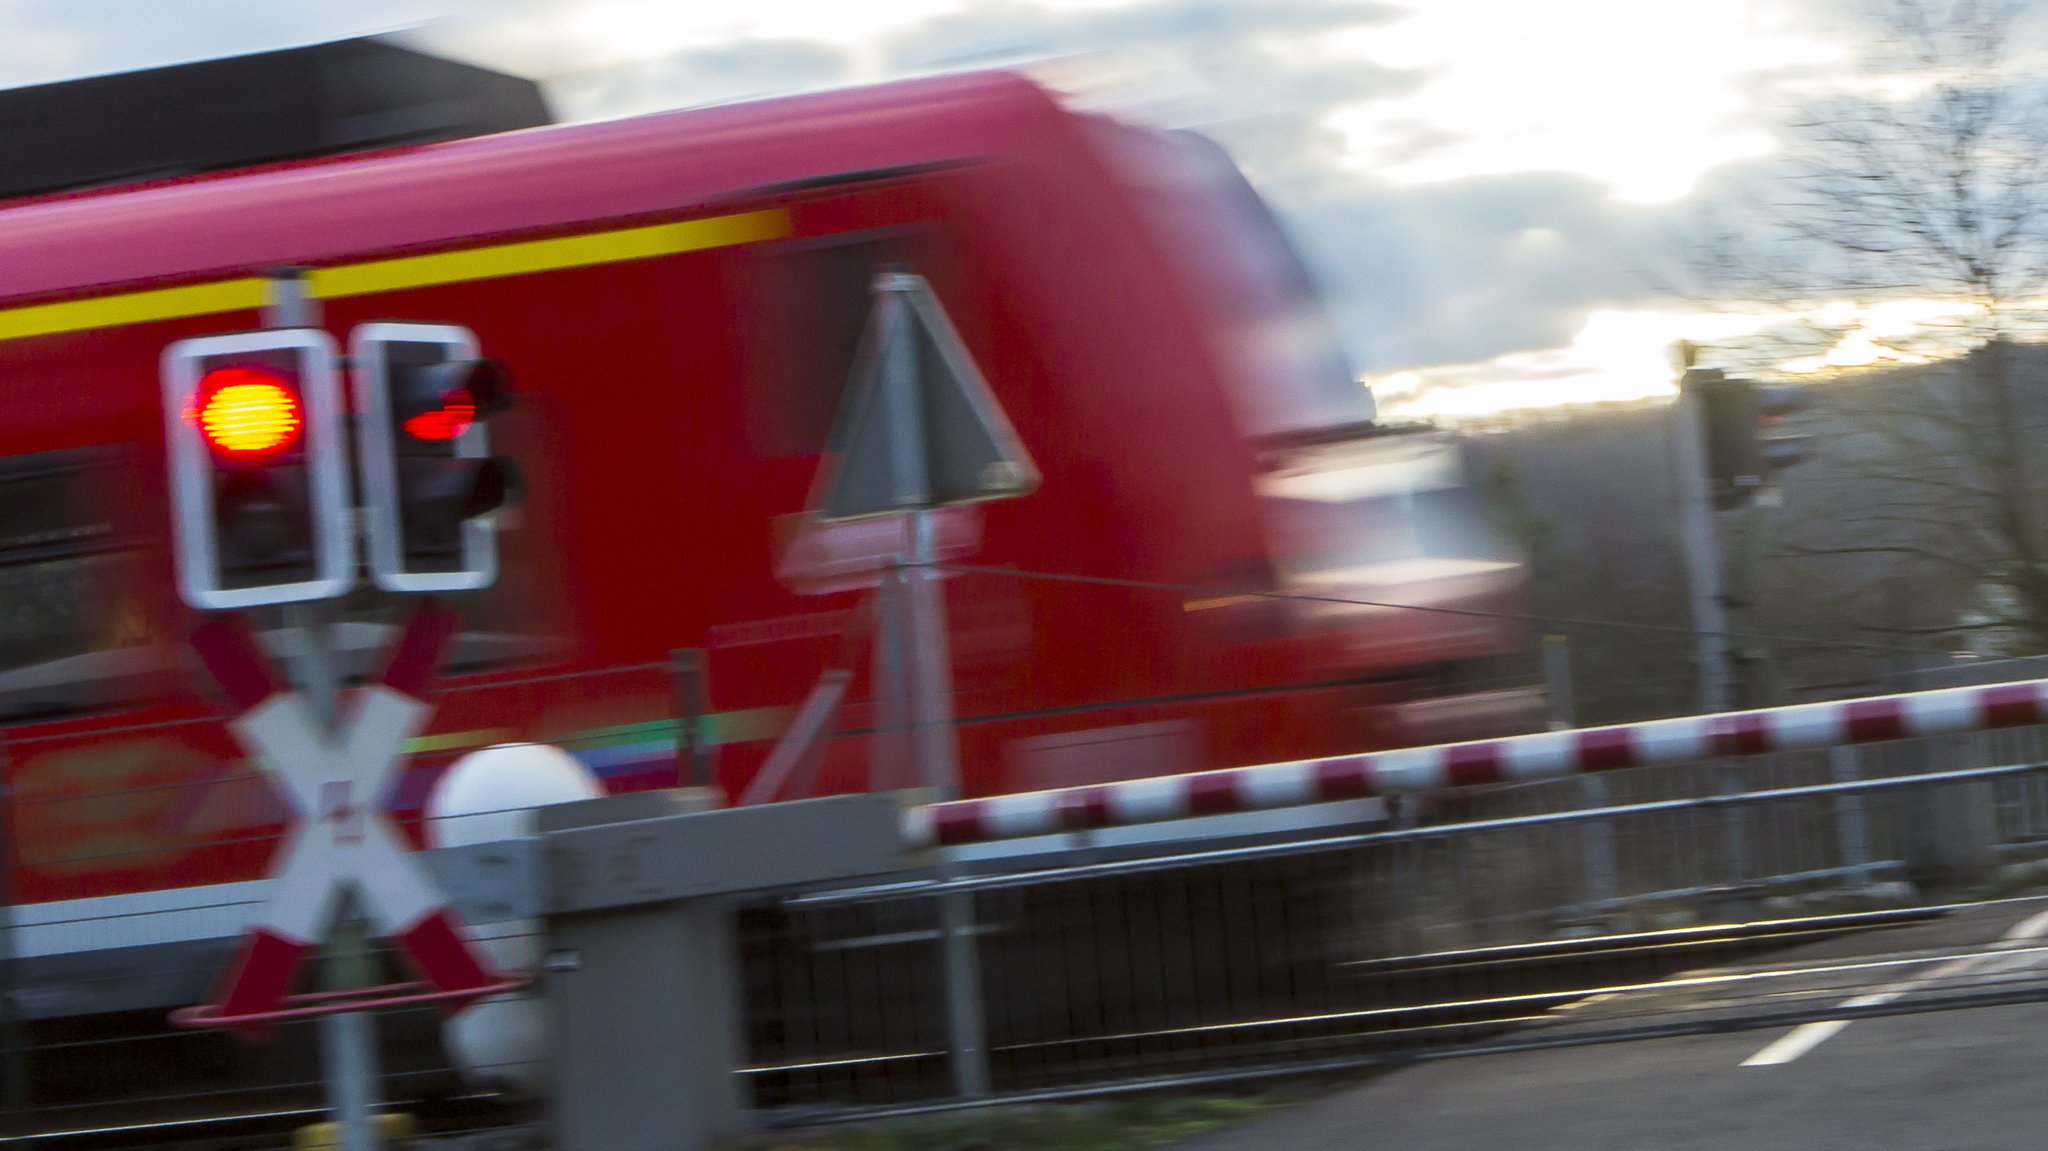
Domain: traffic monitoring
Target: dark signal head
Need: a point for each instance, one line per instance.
(425, 396)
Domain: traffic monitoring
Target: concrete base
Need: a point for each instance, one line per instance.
(647, 1031)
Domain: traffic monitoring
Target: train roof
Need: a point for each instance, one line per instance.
(212, 115)
(535, 179)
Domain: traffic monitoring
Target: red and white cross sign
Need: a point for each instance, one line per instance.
(341, 837)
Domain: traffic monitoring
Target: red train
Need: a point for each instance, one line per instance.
(678, 298)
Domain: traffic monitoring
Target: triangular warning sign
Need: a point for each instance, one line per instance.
(922, 429)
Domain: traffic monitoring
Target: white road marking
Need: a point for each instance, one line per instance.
(1807, 1036)
(1795, 1043)
(2029, 928)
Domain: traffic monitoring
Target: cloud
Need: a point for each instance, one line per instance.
(1457, 272)
(50, 40)
(723, 74)
(1460, 271)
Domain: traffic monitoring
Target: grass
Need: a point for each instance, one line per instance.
(1121, 1125)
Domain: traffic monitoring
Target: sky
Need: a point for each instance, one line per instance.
(1497, 195)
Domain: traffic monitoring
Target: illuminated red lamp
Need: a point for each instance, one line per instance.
(451, 419)
(248, 414)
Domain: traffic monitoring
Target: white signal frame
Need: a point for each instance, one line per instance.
(192, 468)
(376, 433)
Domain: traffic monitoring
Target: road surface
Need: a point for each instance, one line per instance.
(1942, 1081)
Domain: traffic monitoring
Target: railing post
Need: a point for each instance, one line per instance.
(1845, 764)
(966, 1031)
(690, 678)
(1603, 882)
(1596, 842)
(1734, 829)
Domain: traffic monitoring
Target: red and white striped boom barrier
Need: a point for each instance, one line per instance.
(1513, 759)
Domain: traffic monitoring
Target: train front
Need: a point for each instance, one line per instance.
(1390, 598)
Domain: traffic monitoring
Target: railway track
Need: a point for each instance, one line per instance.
(1396, 1009)
(470, 1124)
(1377, 1011)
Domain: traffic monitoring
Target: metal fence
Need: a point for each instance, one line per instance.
(1446, 925)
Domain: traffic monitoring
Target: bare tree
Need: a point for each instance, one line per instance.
(1918, 180)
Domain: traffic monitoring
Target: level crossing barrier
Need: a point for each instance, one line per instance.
(1516, 758)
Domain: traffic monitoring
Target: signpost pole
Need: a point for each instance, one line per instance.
(925, 432)
(922, 615)
(893, 769)
(938, 756)
(1702, 551)
(689, 678)
(348, 1046)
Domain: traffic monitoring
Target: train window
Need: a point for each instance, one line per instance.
(72, 635)
(807, 311)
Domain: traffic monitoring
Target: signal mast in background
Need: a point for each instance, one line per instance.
(1730, 453)
(1739, 419)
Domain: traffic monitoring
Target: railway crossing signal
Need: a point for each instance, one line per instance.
(260, 465)
(1738, 415)
(430, 483)
(258, 450)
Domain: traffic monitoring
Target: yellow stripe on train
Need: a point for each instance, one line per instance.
(530, 256)
(131, 308)
(488, 262)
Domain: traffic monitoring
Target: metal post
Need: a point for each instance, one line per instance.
(920, 610)
(313, 665)
(1851, 833)
(691, 681)
(347, 1040)
(1702, 555)
(1734, 826)
(1756, 682)
(931, 677)
(1557, 680)
(1596, 840)
(938, 761)
(891, 769)
(1603, 882)
(897, 632)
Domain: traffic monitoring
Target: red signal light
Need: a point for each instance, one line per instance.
(451, 419)
(248, 413)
